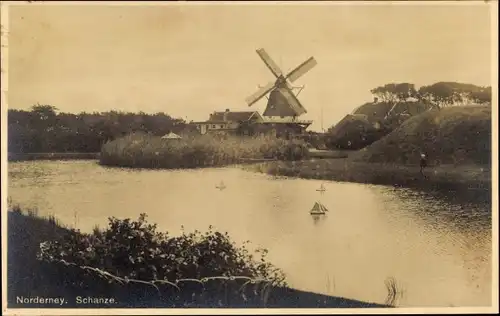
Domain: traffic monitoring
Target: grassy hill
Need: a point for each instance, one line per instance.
(455, 135)
(368, 123)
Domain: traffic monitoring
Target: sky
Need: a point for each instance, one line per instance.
(191, 60)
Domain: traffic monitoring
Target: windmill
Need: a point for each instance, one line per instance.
(282, 101)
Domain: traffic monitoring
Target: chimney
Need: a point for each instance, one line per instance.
(225, 115)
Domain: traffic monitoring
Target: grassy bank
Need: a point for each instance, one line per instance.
(456, 140)
(439, 177)
(146, 151)
(51, 156)
(139, 267)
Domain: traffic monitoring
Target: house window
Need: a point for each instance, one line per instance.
(213, 126)
(222, 126)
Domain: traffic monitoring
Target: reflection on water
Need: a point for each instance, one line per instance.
(318, 219)
(438, 250)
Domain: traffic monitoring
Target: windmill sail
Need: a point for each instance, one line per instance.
(269, 62)
(302, 69)
(293, 101)
(260, 93)
(282, 101)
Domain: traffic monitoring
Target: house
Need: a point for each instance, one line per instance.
(228, 122)
(251, 123)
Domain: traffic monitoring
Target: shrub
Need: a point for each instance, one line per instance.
(146, 151)
(135, 250)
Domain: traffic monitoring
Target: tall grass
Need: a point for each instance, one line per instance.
(147, 151)
(394, 291)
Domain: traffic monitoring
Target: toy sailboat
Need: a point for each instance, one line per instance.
(221, 186)
(318, 209)
(321, 188)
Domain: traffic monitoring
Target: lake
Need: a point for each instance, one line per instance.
(438, 249)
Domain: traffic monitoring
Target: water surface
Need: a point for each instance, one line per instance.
(437, 249)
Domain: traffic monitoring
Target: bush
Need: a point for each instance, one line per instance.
(135, 250)
(146, 151)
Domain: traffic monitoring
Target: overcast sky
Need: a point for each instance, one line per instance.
(190, 60)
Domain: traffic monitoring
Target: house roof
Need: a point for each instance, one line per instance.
(231, 116)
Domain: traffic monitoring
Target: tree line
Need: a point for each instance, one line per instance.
(44, 129)
(440, 94)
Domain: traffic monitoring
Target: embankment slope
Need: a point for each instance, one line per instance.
(455, 135)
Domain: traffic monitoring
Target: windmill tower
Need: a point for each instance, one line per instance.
(282, 101)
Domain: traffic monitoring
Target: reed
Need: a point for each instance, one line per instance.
(394, 292)
(147, 151)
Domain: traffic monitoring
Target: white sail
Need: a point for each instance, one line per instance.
(323, 208)
(221, 185)
(318, 209)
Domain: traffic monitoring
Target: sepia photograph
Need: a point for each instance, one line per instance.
(249, 157)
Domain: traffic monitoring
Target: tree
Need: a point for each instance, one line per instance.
(443, 94)
(44, 112)
(44, 130)
(404, 91)
(395, 92)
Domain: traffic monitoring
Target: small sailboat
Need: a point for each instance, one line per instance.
(318, 209)
(321, 188)
(221, 186)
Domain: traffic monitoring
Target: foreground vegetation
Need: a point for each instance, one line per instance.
(139, 267)
(146, 151)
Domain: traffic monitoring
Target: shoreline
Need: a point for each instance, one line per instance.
(440, 178)
(19, 157)
(337, 167)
